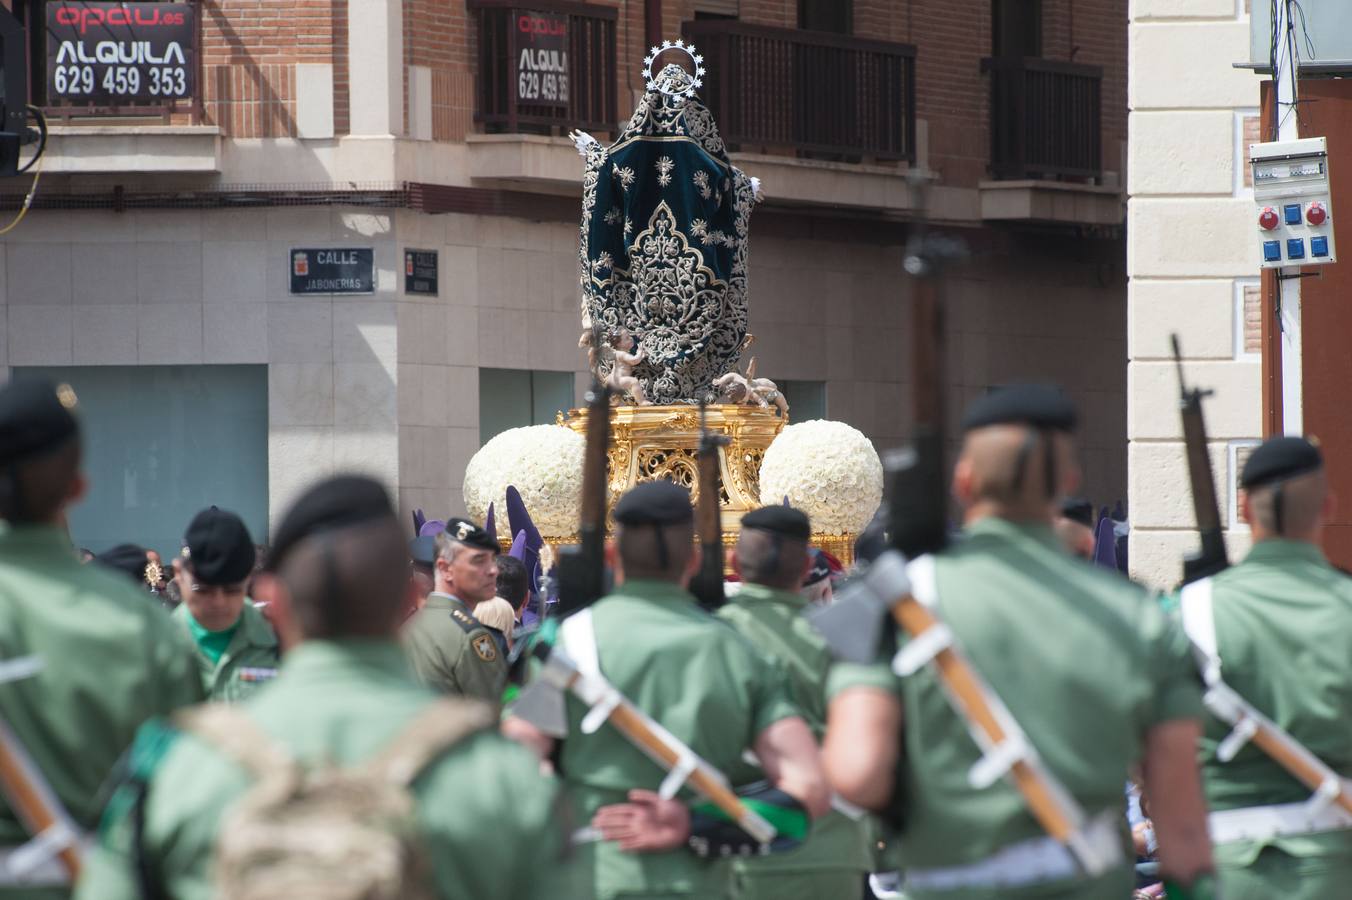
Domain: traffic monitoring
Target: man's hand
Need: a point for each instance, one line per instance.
(645, 824)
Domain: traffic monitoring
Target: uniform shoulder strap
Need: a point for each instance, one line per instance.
(234, 733)
(924, 580)
(577, 637)
(436, 729)
(465, 620)
(1199, 623)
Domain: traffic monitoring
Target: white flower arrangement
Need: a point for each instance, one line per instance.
(543, 462)
(828, 470)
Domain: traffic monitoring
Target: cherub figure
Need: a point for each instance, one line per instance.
(621, 378)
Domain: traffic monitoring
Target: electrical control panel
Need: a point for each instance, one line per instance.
(1294, 211)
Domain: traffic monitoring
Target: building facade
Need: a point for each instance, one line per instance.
(157, 270)
(1192, 267)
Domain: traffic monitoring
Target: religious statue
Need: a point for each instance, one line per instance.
(664, 241)
(623, 360)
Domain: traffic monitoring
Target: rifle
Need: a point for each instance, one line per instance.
(1211, 557)
(560, 674)
(707, 585)
(32, 799)
(917, 489)
(582, 569)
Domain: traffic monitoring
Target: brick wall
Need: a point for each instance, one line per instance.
(249, 49)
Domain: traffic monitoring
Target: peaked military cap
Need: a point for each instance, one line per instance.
(1279, 458)
(821, 568)
(655, 503)
(470, 534)
(784, 521)
(340, 502)
(1040, 405)
(1078, 509)
(129, 559)
(218, 548)
(423, 550)
(36, 416)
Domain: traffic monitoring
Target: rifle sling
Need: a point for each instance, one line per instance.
(1199, 623)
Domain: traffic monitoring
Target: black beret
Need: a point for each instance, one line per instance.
(129, 559)
(1280, 458)
(36, 416)
(1078, 509)
(655, 503)
(470, 534)
(218, 548)
(782, 520)
(339, 502)
(423, 550)
(1039, 405)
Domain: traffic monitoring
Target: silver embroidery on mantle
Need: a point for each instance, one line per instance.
(663, 285)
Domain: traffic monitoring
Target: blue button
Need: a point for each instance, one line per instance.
(1292, 213)
(1295, 248)
(1272, 251)
(1319, 246)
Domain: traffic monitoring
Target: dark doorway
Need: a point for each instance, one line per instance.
(1016, 28)
(826, 15)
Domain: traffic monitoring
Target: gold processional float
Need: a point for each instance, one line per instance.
(663, 256)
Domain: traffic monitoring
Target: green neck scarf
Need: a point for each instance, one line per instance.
(213, 643)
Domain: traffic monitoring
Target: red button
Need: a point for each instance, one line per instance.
(1316, 214)
(1268, 219)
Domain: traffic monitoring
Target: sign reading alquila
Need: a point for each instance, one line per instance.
(333, 270)
(115, 54)
(542, 64)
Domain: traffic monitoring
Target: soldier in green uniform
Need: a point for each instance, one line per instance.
(696, 677)
(1281, 625)
(110, 657)
(338, 582)
(452, 652)
(1087, 664)
(772, 558)
(236, 647)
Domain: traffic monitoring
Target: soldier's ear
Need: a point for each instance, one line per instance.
(964, 481)
(1245, 508)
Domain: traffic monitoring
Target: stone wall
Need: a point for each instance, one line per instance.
(1190, 258)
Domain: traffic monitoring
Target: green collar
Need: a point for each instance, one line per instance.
(440, 600)
(1280, 550)
(25, 540)
(318, 659)
(651, 589)
(251, 629)
(759, 593)
(1006, 529)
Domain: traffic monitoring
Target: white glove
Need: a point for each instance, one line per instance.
(756, 187)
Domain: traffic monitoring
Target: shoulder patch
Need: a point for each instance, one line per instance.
(485, 647)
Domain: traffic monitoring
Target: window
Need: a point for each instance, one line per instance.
(162, 443)
(807, 399)
(1016, 28)
(826, 15)
(716, 9)
(513, 398)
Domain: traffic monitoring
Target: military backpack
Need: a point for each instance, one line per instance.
(306, 831)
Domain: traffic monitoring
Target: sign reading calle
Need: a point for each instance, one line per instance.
(542, 61)
(120, 54)
(333, 271)
(420, 272)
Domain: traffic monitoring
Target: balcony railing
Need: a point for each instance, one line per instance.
(1046, 119)
(524, 82)
(814, 92)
